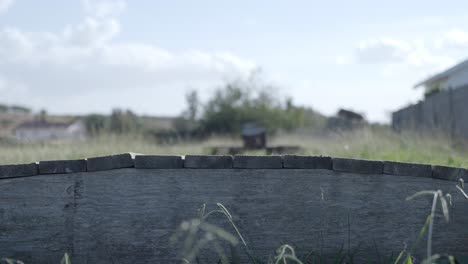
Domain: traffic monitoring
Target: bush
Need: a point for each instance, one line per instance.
(241, 102)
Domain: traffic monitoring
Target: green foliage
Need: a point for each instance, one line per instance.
(185, 127)
(14, 108)
(123, 121)
(432, 91)
(195, 234)
(43, 115)
(6, 122)
(376, 144)
(22, 109)
(3, 108)
(250, 101)
(193, 104)
(119, 122)
(445, 201)
(96, 123)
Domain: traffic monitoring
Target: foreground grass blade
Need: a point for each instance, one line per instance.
(65, 259)
(400, 255)
(11, 261)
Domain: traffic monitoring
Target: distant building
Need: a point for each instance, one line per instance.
(37, 130)
(345, 120)
(350, 115)
(254, 136)
(444, 108)
(452, 78)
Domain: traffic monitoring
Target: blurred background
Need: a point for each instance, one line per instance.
(362, 79)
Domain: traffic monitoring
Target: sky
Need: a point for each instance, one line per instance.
(89, 56)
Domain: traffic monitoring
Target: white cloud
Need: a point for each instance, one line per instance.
(396, 55)
(5, 5)
(103, 8)
(92, 32)
(382, 51)
(83, 69)
(454, 38)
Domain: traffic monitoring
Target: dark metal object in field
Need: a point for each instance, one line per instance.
(253, 136)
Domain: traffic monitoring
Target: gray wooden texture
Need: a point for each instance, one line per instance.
(442, 112)
(128, 215)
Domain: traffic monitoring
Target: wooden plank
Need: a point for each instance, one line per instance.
(128, 215)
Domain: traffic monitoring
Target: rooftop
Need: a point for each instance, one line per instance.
(443, 74)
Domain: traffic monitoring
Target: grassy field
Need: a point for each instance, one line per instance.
(376, 144)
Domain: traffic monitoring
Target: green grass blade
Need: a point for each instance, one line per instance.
(420, 194)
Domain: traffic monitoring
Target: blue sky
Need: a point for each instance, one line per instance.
(92, 55)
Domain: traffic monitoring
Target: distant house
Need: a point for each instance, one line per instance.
(253, 136)
(37, 130)
(345, 120)
(452, 78)
(350, 115)
(444, 108)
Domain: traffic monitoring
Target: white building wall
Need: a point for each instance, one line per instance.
(75, 131)
(40, 133)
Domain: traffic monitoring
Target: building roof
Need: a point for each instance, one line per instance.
(443, 74)
(40, 124)
(348, 114)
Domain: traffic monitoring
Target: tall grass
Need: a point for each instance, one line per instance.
(382, 144)
(370, 143)
(23, 152)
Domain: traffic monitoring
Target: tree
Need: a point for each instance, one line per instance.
(43, 115)
(20, 109)
(241, 102)
(193, 103)
(95, 123)
(123, 121)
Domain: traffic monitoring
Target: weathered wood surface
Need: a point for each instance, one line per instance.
(128, 215)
